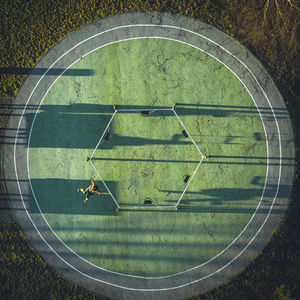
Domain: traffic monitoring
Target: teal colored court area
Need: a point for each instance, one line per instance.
(148, 157)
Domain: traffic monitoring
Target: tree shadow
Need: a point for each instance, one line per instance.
(80, 126)
(47, 71)
(60, 196)
(212, 159)
(118, 140)
(236, 109)
(228, 200)
(74, 126)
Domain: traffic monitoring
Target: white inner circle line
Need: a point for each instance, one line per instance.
(258, 111)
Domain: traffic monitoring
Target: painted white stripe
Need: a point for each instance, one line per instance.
(105, 184)
(101, 138)
(189, 182)
(142, 109)
(137, 207)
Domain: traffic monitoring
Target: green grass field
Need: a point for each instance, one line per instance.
(147, 157)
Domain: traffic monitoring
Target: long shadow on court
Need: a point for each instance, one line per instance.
(232, 110)
(81, 125)
(213, 159)
(73, 126)
(229, 200)
(118, 140)
(60, 196)
(47, 71)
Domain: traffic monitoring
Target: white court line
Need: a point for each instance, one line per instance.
(143, 109)
(146, 207)
(188, 133)
(101, 138)
(167, 26)
(202, 157)
(105, 184)
(180, 198)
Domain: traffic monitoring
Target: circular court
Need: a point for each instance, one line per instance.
(184, 133)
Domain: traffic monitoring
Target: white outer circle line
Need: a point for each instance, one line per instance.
(200, 50)
(265, 180)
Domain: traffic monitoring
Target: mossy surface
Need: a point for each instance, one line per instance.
(148, 157)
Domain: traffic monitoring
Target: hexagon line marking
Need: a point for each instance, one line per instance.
(124, 207)
(173, 109)
(110, 193)
(202, 156)
(142, 109)
(101, 138)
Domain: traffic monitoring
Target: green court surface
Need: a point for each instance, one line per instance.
(147, 156)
